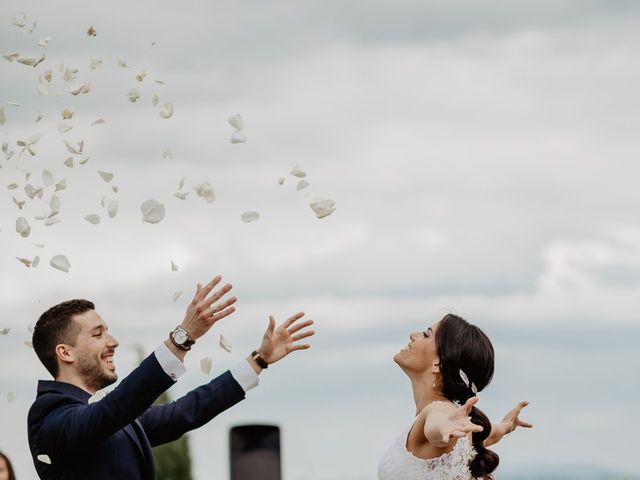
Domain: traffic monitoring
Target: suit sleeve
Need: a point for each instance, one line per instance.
(168, 422)
(72, 426)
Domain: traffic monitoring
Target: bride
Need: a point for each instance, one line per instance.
(448, 364)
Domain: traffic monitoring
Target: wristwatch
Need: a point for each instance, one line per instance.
(181, 339)
(259, 360)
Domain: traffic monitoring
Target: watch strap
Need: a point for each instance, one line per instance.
(259, 360)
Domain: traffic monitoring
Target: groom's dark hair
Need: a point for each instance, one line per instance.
(56, 326)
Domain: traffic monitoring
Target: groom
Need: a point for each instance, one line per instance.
(74, 436)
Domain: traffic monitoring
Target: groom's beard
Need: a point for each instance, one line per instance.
(92, 371)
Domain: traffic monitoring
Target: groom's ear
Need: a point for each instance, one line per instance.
(435, 367)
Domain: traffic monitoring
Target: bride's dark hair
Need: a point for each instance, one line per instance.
(462, 346)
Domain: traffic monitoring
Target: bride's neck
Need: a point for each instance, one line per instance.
(424, 393)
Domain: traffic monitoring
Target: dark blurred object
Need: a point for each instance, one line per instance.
(255, 452)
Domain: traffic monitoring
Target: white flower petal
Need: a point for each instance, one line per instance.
(140, 76)
(302, 184)
(167, 110)
(152, 211)
(238, 137)
(205, 365)
(92, 218)
(44, 42)
(28, 61)
(80, 89)
(224, 343)
(3, 118)
(115, 188)
(322, 207)
(181, 184)
(23, 227)
(11, 56)
(61, 185)
(205, 190)
(236, 121)
(122, 63)
(296, 172)
(62, 128)
(96, 397)
(91, 31)
(19, 19)
(248, 217)
(36, 261)
(133, 95)
(12, 186)
(32, 192)
(112, 208)
(44, 459)
(54, 204)
(174, 267)
(25, 261)
(97, 122)
(5, 331)
(176, 295)
(181, 195)
(67, 113)
(33, 27)
(161, 82)
(47, 178)
(51, 221)
(19, 204)
(11, 397)
(70, 74)
(167, 154)
(61, 263)
(69, 162)
(94, 63)
(38, 117)
(281, 181)
(28, 344)
(155, 99)
(106, 176)
(13, 104)
(83, 160)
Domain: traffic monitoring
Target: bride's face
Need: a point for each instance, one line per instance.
(420, 355)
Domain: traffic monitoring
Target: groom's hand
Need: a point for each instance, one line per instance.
(278, 342)
(205, 310)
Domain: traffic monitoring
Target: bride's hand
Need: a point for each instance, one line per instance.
(512, 420)
(458, 424)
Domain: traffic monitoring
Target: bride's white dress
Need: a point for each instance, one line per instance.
(400, 464)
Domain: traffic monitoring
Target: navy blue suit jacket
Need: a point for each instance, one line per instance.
(112, 439)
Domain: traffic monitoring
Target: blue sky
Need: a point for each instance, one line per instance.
(483, 160)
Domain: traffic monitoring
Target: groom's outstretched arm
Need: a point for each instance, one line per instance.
(165, 423)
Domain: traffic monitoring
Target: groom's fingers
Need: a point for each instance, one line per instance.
(304, 346)
(292, 319)
(299, 326)
(300, 336)
(216, 295)
(204, 291)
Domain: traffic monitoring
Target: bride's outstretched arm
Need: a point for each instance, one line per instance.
(444, 423)
(509, 423)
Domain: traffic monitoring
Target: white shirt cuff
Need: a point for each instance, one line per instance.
(171, 365)
(245, 375)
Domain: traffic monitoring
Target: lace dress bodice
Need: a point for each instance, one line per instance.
(400, 464)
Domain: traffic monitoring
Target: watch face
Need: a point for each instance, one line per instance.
(180, 336)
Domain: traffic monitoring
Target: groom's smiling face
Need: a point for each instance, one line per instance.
(94, 351)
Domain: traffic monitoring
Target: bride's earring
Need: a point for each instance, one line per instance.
(434, 380)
